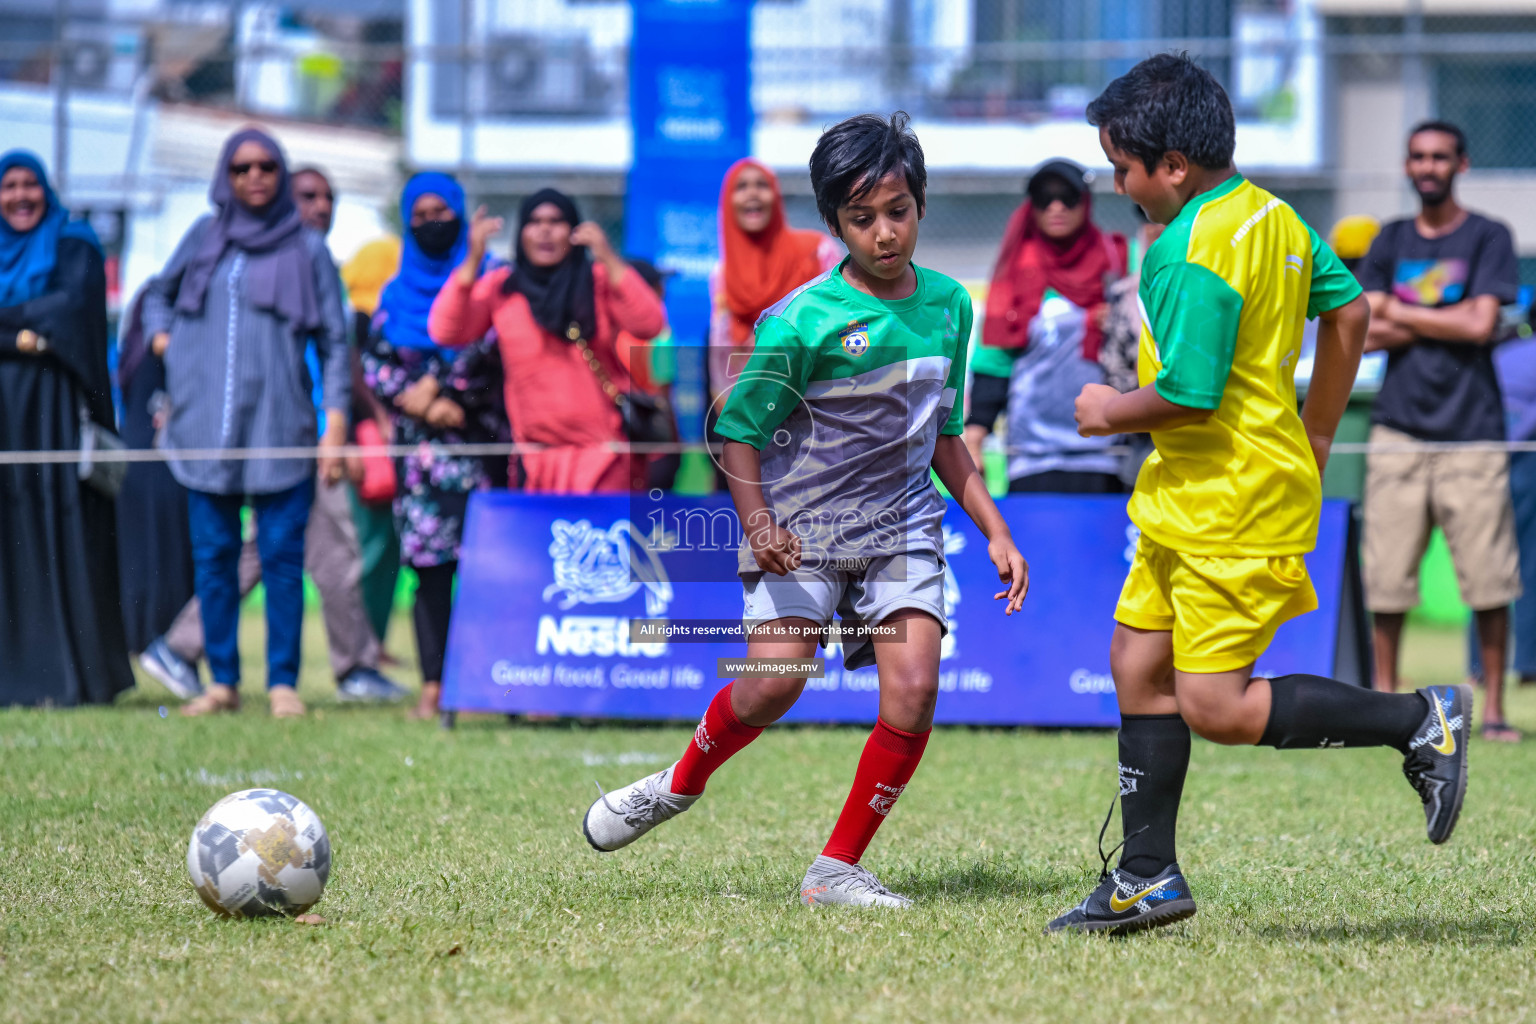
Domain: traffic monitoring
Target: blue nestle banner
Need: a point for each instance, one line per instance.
(548, 586)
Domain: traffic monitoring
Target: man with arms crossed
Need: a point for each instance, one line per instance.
(1435, 283)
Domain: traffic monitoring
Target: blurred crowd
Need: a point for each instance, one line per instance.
(250, 338)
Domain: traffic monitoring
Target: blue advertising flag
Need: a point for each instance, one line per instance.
(691, 116)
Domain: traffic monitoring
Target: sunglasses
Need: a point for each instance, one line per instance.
(264, 166)
(1046, 197)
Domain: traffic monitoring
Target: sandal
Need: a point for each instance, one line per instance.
(217, 699)
(1500, 732)
(285, 702)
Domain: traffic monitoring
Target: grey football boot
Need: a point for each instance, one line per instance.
(829, 880)
(619, 818)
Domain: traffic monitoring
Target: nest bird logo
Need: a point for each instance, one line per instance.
(597, 566)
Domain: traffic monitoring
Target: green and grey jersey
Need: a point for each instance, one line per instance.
(845, 395)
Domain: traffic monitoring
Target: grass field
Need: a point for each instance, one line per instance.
(463, 890)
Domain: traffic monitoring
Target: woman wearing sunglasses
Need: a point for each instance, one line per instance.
(1041, 339)
(247, 290)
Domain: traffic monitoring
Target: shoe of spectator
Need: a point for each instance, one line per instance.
(367, 685)
(171, 670)
(285, 702)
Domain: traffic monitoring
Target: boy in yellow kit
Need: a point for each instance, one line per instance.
(1229, 502)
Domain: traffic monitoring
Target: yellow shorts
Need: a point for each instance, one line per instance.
(1223, 612)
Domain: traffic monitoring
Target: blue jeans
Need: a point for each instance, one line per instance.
(1522, 619)
(281, 519)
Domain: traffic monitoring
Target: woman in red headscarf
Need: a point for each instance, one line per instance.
(762, 259)
(1041, 339)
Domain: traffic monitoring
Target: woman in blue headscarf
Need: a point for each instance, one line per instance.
(61, 622)
(437, 396)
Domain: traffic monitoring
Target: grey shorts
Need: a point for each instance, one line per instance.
(885, 585)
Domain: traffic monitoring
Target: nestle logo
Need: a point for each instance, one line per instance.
(601, 635)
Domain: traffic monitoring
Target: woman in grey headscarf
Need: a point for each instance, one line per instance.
(246, 291)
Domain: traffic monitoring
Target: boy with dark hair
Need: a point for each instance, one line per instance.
(850, 396)
(1228, 503)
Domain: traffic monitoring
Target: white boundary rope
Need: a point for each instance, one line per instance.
(504, 449)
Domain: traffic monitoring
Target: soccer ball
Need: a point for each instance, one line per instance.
(257, 853)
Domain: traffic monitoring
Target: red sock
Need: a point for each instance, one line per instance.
(717, 739)
(889, 759)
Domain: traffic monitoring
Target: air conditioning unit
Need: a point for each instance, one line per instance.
(523, 74)
(103, 57)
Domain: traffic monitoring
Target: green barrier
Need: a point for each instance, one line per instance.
(1440, 597)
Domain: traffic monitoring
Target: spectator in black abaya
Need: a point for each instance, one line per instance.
(154, 543)
(61, 622)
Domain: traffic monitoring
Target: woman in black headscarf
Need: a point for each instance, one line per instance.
(61, 626)
(155, 551)
(247, 290)
(557, 315)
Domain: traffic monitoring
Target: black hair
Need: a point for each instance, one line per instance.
(1166, 104)
(1447, 128)
(647, 271)
(311, 169)
(853, 156)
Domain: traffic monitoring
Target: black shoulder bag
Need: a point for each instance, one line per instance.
(647, 419)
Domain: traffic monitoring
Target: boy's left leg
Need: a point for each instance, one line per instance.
(1305, 712)
(908, 664)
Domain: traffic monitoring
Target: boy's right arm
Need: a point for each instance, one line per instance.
(771, 385)
(776, 549)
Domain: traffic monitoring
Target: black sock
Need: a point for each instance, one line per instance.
(1154, 755)
(1310, 711)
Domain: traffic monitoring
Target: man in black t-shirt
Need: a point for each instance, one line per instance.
(1435, 283)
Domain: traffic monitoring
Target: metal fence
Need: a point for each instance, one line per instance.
(359, 75)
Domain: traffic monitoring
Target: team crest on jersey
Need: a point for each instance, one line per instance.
(855, 337)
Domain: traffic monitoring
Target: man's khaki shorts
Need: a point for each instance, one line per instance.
(1466, 494)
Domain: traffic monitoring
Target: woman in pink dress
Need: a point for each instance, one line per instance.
(557, 314)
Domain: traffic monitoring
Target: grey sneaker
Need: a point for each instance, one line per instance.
(170, 669)
(829, 880)
(368, 686)
(619, 818)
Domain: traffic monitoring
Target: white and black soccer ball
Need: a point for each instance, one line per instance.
(258, 853)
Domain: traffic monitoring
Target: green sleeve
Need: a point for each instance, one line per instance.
(663, 356)
(1194, 316)
(955, 382)
(992, 362)
(769, 387)
(1332, 283)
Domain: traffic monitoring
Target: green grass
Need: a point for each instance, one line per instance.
(463, 890)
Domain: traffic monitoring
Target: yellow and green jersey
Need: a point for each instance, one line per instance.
(1224, 294)
(845, 395)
